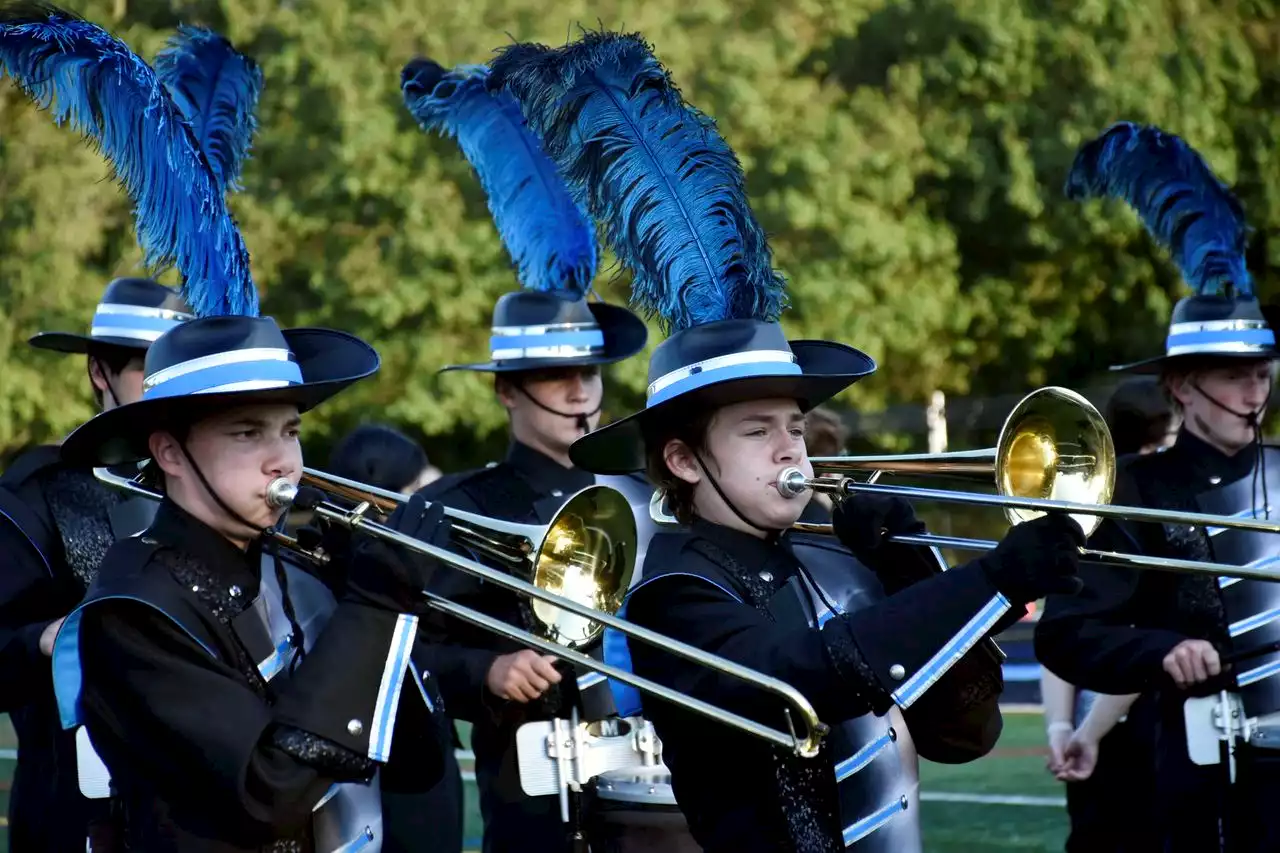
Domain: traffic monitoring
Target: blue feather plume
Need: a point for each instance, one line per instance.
(217, 89)
(655, 170)
(548, 235)
(91, 79)
(1185, 207)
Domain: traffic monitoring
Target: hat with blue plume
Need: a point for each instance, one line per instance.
(1193, 216)
(176, 163)
(216, 88)
(672, 197)
(550, 238)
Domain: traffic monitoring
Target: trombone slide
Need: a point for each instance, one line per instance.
(282, 492)
(792, 482)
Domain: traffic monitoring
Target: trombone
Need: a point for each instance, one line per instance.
(1054, 454)
(587, 552)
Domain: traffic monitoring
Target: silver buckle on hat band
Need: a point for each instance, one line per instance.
(544, 329)
(143, 311)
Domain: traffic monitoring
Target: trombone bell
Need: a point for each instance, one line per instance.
(588, 555)
(1056, 446)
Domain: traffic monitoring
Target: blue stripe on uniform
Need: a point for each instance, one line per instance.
(954, 649)
(869, 824)
(863, 757)
(384, 711)
(1252, 676)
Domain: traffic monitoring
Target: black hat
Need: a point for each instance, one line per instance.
(533, 330)
(132, 314)
(718, 364)
(547, 233)
(671, 195)
(1212, 326)
(216, 362)
(1192, 214)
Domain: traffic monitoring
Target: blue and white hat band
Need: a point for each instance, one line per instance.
(1219, 336)
(738, 365)
(558, 340)
(239, 370)
(135, 322)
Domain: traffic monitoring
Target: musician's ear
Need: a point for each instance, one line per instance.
(681, 462)
(167, 453)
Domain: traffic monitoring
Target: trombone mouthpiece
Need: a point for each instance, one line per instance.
(792, 483)
(281, 493)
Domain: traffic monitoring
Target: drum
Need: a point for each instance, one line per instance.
(635, 811)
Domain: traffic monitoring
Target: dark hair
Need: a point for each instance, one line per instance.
(113, 359)
(380, 456)
(1139, 413)
(826, 433)
(691, 428)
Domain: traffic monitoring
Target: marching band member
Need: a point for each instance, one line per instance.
(1094, 745)
(1167, 635)
(226, 700)
(59, 520)
(725, 416)
(547, 347)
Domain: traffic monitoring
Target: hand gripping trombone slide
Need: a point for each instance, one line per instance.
(558, 552)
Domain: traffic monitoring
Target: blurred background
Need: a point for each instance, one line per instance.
(905, 156)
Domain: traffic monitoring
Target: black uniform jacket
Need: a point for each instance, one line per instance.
(55, 527)
(733, 788)
(205, 755)
(1113, 636)
(526, 487)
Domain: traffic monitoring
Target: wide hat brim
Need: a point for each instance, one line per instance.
(1157, 365)
(827, 368)
(328, 359)
(73, 344)
(624, 335)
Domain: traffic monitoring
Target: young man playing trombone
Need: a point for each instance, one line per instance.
(547, 348)
(237, 703)
(1178, 638)
(239, 707)
(724, 419)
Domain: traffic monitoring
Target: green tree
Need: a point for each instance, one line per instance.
(907, 158)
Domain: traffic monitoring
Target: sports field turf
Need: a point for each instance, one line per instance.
(1014, 770)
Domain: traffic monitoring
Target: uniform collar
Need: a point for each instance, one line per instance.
(751, 551)
(545, 473)
(1204, 461)
(177, 528)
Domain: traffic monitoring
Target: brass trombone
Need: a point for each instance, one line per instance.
(1054, 455)
(588, 551)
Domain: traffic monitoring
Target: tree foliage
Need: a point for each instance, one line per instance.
(906, 156)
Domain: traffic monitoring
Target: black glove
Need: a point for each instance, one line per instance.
(1037, 558)
(391, 576)
(863, 521)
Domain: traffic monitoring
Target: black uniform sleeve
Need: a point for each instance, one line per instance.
(1090, 640)
(30, 599)
(193, 726)
(957, 719)
(698, 612)
(457, 655)
(906, 642)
